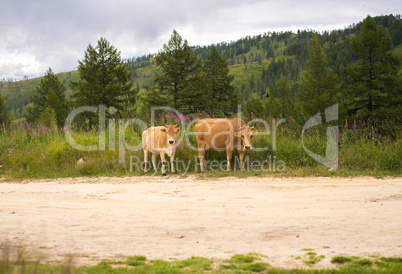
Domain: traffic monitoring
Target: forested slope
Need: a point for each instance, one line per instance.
(256, 62)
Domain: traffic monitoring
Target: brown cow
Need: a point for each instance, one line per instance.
(223, 134)
(161, 139)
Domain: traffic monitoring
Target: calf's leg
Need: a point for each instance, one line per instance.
(146, 161)
(172, 164)
(163, 160)
(154, 160)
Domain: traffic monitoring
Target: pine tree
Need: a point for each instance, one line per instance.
(105, 80)
(221, 92)
(372, 85)
(4, 115)
(50, 93)
(253, 108)
(286, 102)
(179, 77)
(272, 107)
(317, 89)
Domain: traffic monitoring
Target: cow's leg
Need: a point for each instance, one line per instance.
(241, 155)
(172, 164)
(154, 161)
(146, 160)
(163, 160)
(229, 157)
(201, 155)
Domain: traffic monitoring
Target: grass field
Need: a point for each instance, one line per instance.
(26, 148)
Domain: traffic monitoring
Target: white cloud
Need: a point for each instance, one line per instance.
(40, 34)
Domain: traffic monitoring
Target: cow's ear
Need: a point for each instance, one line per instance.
(254, 132)
(237, 134)
(163, 130)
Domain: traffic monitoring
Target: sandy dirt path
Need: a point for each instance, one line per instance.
(176, 218)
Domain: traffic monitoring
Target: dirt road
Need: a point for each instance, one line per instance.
(176, 218)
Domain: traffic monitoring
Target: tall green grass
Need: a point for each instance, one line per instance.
(36, 151)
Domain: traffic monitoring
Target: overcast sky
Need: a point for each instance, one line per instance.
(38, 34)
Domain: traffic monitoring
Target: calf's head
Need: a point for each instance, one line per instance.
(170, 131)
(246, 134)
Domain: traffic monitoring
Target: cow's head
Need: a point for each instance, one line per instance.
(246, 134)
(171, 131)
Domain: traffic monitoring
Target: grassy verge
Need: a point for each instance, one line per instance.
(26, 149)
(240, 263)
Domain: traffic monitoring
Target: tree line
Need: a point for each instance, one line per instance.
(182, 82)
(369, 88)
(189, 85)
(360, 72)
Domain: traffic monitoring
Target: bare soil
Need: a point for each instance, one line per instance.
(179, 217)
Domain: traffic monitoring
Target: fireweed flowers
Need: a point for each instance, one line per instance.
(347, 132)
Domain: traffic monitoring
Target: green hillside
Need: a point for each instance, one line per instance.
(17, 93)
(256, 62)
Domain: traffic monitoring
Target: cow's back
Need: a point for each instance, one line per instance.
(218, 125)
(153, 138)
(220, 131)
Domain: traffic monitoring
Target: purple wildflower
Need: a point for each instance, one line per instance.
(354, 127)
(345, 126)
